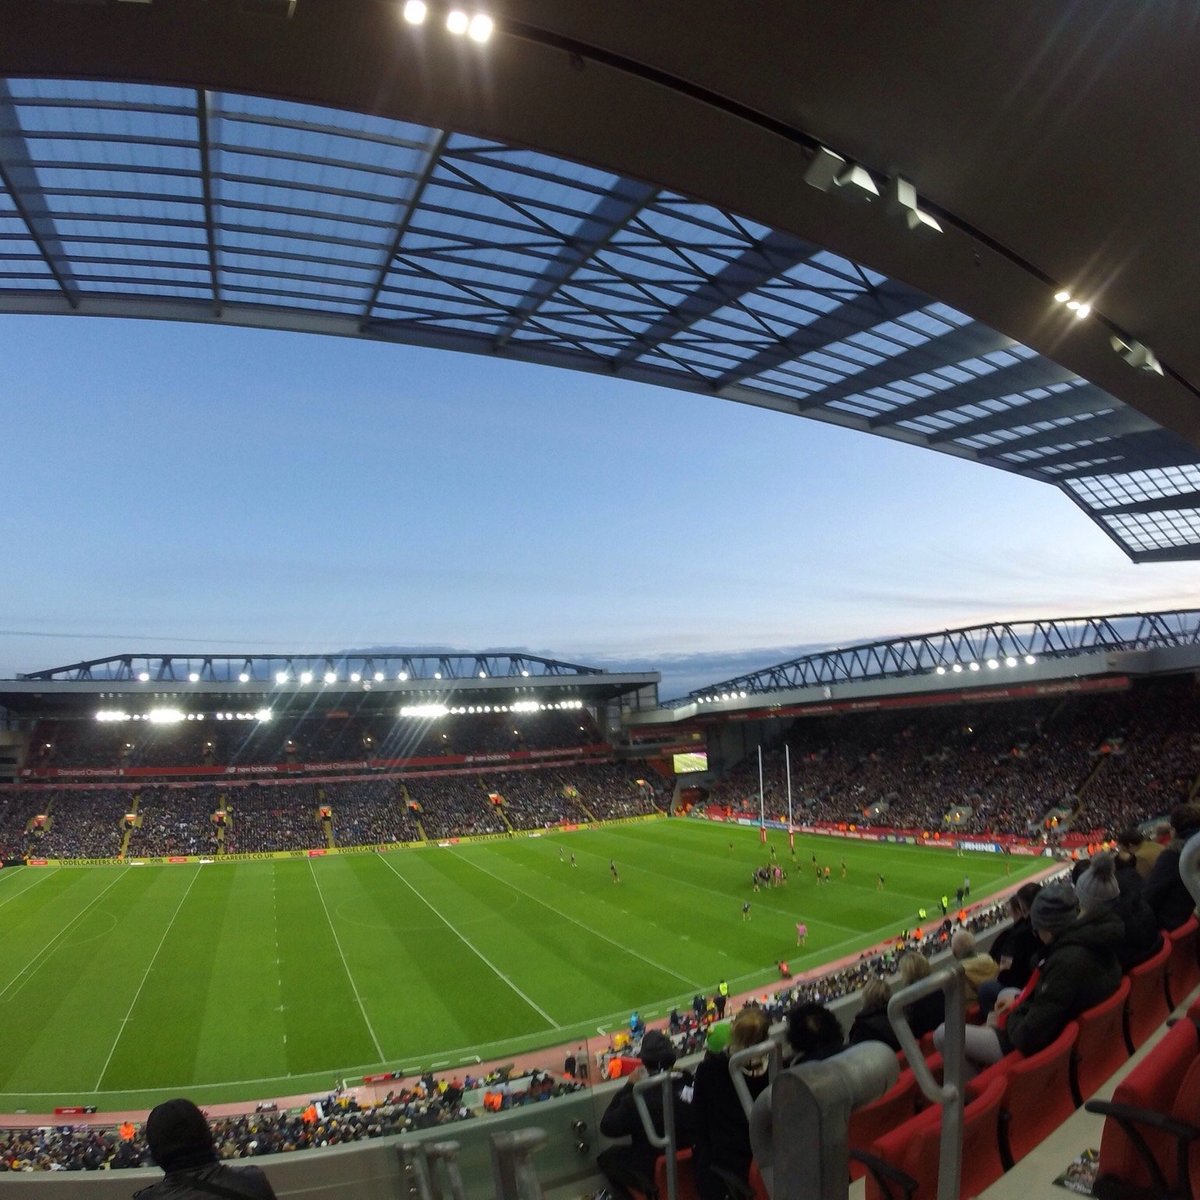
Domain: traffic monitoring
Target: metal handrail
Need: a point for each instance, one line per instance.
(665, 1081)
(772, 1051)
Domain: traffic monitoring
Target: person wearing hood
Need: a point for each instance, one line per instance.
(1165, 891)
(181, 1142)
(722, 1148)
(1107, 883)
(631, 1164)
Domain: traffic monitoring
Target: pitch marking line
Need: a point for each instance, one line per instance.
(40, 879)
(478, 953)
(337, 941)
(33, 963)
(587, 928)
(145, 976)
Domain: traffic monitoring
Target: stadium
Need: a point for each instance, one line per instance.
(358, 896)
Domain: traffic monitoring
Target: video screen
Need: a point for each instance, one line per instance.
(696, 760)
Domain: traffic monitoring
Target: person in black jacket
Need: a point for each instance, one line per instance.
(813, 1033)
(930, 1011)
(722, 1147)
(1106, 883)
(1165, 891)
(871, 1024)
(181, 1142)
(632, 1164)
(1015, 949)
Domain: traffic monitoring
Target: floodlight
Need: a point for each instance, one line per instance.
(525, 674)
(306, 677)
(281, 677)
(1082, 310)
(939, 670)
(902, 202)
(144, 676)
(243, 678)
(1030, 660)
(331, 677)
(857, 183)
(193, 677)
(1062, 297)
(164, 716)
(1072, 304)
(957, 668)
(1010, 661)
(457, 21)
(482, 674)
(379, 677)
(437, 674)
(355, 677)
(403, 677)
(481, 27)
(415, 12)
(992, 664)
(973, 666)
(824, 169)
(1140, 357)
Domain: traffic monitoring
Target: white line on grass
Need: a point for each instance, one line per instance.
(145, 976)
(337, 941)
(33, 963)
(566, 917)
(17, 895)
(478, 953)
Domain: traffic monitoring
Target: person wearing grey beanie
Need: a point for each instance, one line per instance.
(1107, 883)
(1098, 884)
(1054, 909)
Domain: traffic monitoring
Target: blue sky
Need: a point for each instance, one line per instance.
(170, 486)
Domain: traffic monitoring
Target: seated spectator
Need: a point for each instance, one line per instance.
(1014, 950)
(1101, 886)
(813, 1033)
(930, 1011)
(872, 1024)
(1165, 891)
(182, 1144)
(1144, 851)
(1078, 969)
(722, 1145)
(631, 1165)
(977, 967)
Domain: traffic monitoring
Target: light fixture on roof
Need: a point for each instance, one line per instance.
(378, 676)
(481, 27)
(939, 670)
(457, 22)
(306, 677)
(974, 666)
(193, 677)
(993, 664)
(1081, 308)
(902, 202)
(1140, 357)
(415, 11)
(331, 677)
(243, 678)
(355, 677)
(1010, 661)
(957, 668)
(1030, 660)
(144, 676)
(403, 677)
(281, 677)
(831, 172)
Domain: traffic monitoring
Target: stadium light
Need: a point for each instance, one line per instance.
(457, 22)
(902, 202)
(423, 710)
(378, 676)
(437, 674)
(1010, 661)
(1140, 357)
(306, 677)
(144, 676)
(355, 677)
(524, 674)
(974, 666)
(403, 677)
(331, 677)
(482, 674)
(480, 29)
(1029, 660)
(957, 668)
(992, 664)
(193, 677)
(281, 677)
(243, 678)
(415, 11)
(939, 670)
(164, 716)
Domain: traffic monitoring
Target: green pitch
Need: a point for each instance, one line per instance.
(122, 985)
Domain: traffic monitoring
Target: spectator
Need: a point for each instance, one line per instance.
(1101, 886)
(1165, 892)
(1144, 851)
(813, 1033)
(871, 1023)
(182, 1145)
(930, 1011)
(977, 967)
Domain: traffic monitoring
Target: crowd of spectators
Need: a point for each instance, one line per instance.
(454, 806)
(62, 743)
(368, 812)
(175, 821)
(262, 818)
(330, 1120)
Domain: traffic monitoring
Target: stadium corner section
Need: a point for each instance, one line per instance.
(326, 851)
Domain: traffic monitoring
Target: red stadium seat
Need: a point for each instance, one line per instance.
(683, 1177)
(1183, 972)
(1039, 1096)
(872, 1121)
(1101, 1046)
(1139, 1151)
(1147, 1007)
(904, 1163)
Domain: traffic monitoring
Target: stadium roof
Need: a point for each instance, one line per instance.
(622, 191)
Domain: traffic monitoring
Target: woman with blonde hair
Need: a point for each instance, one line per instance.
(722, 1149)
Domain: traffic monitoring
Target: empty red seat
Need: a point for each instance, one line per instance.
(1133, 1154)
(1183, 971)
(1039, 1096)
(873, 1120)
(1147, 1007)
(904, 1163)
(1100, 1049)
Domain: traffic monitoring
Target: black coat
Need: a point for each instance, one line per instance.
(1021, 944)
(621, 1119)
(873, 1027)
(1079, 969)
(1142, 936)
(181, 1185)
(722, 1130)
(1171, 901)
